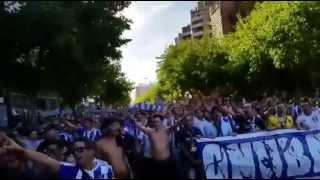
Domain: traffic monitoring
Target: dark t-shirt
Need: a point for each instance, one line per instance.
(187, 138)
(243, 124)
(127, 142)
(247, 125)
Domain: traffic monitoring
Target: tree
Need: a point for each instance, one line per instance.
(276, 47)
(193, 64)
(115, 89)
(279, 44)
(63, 46)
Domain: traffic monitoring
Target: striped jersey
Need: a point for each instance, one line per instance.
(131, 129)
(148, 107)
(91, 134)
(102, 170)
(66, 137)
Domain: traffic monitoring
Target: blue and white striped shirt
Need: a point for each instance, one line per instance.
(131, 129)
(66, 137)
(92, 134)
(102, 170)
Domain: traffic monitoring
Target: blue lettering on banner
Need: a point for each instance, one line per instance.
(277, 154)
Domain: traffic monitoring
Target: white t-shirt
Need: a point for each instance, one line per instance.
(210, 130)
(226, 127)
(311, 121)
(199, 124)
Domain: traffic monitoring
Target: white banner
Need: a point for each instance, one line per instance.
(275, 154)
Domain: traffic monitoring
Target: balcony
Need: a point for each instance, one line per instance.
(198, 21)
(186, 33)
(197, 34)
(201, 24)
(186, 37)
(196, 18)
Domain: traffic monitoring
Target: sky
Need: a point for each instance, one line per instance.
(155, 25)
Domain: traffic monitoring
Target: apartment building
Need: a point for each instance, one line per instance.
(215, 18)
(200, 22)
(223, 15)
(185, 34)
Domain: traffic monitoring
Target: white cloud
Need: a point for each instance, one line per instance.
(142, 12)
(155, 25)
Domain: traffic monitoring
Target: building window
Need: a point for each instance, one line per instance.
(186, 29)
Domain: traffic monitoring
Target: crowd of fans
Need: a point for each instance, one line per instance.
(135, 142)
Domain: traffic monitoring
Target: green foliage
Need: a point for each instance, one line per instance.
(115, 89)
(64, 46)
(197, 64)
(279, 42)
(276, 47)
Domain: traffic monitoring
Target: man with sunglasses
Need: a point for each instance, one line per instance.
(86, 167)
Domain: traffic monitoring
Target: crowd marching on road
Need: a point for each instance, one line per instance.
(144, 141)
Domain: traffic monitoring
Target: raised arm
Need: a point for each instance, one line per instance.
(43, 159)
(143, 128)
(11, 147)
